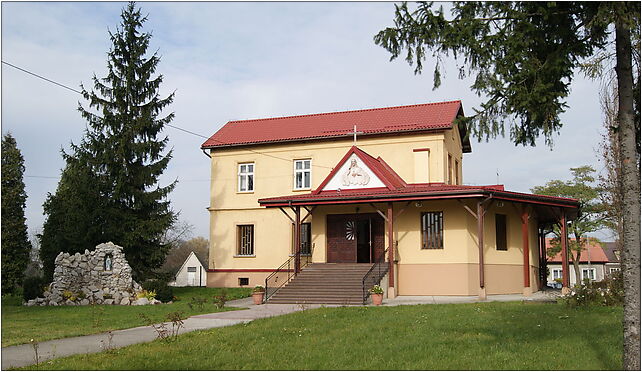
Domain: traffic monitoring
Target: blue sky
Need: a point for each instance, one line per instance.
(230, 61)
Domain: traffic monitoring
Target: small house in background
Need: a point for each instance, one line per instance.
(595, 264)
(612, 251)
(192, 273)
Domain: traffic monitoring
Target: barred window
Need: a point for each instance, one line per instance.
(432, 230)
(245, 240)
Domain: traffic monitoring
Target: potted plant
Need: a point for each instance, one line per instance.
(257, 294)
(377, 294)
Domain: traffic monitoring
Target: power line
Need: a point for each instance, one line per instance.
(169, 125)
(52, 177)
(79, 92)
(42, 77)
(187, 131)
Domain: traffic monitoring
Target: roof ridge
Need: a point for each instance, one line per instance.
(345, 111)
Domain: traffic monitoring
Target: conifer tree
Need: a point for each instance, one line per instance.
(15, 243)
(120, 158)
(74, 220)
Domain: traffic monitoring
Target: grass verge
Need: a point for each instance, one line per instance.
(486, 336)
(22, 323)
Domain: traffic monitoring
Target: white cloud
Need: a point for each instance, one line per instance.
(231, 61)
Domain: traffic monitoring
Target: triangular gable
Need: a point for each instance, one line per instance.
(358, 170)
(185, 263)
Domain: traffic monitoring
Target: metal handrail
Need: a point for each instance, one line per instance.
(274, 281)
(374, 275)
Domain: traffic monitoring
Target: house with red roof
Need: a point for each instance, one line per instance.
(597, 261)
(319, 208)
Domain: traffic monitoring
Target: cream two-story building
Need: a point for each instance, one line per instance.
(378, 189)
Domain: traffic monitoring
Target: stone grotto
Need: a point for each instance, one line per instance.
(101, 276)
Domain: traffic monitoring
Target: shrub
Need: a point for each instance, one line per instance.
(376, 289)
(258, 289)
(33, 286)
(69, 295)
(608, 292)
(149, 295)
(221, 299)
(164, 293)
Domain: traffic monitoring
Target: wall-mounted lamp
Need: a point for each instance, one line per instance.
(418, 204)
(500, 204)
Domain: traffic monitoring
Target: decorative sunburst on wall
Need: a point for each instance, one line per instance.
(350, 230)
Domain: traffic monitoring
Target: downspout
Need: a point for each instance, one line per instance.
(481, 211)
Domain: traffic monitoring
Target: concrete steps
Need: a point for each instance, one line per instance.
(325, 284)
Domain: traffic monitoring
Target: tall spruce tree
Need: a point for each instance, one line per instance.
(15, 242)
(524, 55)
(120, 159)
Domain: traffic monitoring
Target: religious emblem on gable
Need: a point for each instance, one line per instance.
(355, 175)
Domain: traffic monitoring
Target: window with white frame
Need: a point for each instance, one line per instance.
(588, 274)
(613, 270)
(302, 174)
(557, 274)
(246, 177)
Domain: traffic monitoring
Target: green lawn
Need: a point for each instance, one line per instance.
(22, 323)
(488, 336)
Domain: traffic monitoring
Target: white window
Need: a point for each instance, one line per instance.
(557, 274)
(246, 177)
(302, 174)
(588, 274)
(613, 270)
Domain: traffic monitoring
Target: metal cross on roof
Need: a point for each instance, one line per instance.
(354, 133)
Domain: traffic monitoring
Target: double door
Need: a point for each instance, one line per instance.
(355, 238)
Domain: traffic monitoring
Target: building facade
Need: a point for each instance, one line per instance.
(597, 262)
(368, 186)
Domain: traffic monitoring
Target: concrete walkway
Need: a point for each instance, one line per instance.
(23, 355)
(541, 296)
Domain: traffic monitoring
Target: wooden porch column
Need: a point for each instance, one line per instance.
(526, 251)
(542, 259)
(564, 241)
(391, 252)
(297, 240)
(480, 243)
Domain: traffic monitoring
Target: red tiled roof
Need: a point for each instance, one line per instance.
(419, 190)
(597, 253)
(428, 116)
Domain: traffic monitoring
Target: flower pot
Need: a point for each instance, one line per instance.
(258, 297)
(377, 298)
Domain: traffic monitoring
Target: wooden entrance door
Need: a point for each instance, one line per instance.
(354, 237)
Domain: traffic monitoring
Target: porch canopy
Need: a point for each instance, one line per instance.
(549, 211)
